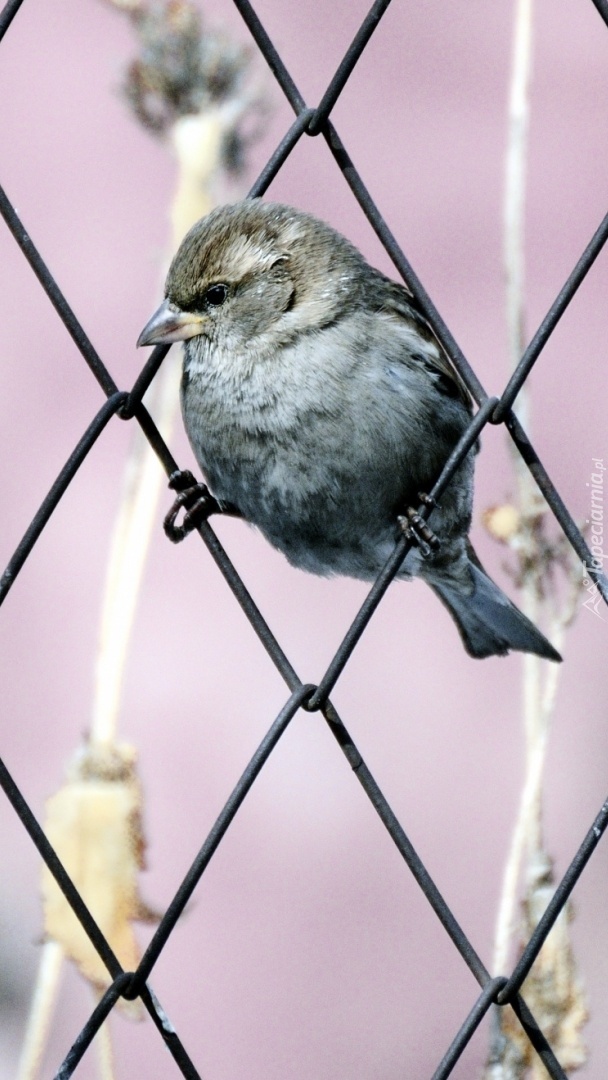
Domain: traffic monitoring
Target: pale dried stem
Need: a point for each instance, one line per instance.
(105, 1056)
(529, 811)
(515, 181)
(197, 141)
(136, 517)
(514, 215)
(528, 821)
(540, 679)
(41, 1011)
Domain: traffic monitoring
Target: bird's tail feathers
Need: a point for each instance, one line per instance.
(488, 623)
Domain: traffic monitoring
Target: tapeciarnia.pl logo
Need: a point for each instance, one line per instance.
(596, 538)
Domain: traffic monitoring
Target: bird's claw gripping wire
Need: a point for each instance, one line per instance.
(194, 499)
(415, 528)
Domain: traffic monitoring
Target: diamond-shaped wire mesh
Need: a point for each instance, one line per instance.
(494, 398)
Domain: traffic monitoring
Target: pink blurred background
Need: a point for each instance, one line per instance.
(308, 952)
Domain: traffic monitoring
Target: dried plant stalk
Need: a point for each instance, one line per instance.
(41, 1012)
(191, 85)
(552, 988)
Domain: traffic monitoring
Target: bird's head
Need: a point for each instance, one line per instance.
(254, 271)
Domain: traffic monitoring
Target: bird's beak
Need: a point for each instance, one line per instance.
(169, 324)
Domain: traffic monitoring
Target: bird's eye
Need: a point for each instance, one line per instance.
(216, 294)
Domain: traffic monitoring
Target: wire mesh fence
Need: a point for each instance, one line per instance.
(311, 121)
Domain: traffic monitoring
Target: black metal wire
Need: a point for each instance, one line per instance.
(64, 881)
(555, 906)
(387, 574)
(555, 502)
(468, 1029)
(551, 320)
(121, 988)
(270, 54)
(8, 14)
(602, 7)
(203, 858)
(92, 1026)
(402, 264)
(56, 297)
(169, 1035)
(405, 847)
(503, 990)
(143, 380)
(67, 474)
(282, 152)
(249, 607)
(347, 65)
(537, 1039)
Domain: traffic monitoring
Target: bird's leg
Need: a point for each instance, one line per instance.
(415, 528)
(197, 502)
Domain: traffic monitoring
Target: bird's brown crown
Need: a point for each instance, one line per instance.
(242, 240)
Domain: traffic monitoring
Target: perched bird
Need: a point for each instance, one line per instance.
(319, 405)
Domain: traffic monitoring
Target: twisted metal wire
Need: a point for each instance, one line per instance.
(503, 991)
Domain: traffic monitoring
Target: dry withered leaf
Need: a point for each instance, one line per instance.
(94, 824)
(553, 991)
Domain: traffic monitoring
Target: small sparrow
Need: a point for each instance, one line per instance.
(320, 405)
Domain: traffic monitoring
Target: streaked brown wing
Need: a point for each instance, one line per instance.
(399, 301)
